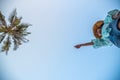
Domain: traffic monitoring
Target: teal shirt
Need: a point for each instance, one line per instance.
(105, 30)
(105, 41)
(101, 42)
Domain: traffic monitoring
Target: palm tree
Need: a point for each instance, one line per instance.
(14, 33)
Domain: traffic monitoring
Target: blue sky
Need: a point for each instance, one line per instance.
(58, 25)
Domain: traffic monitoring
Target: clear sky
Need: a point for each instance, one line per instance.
(58, 25)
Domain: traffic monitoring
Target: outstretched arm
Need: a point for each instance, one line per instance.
(85, 44)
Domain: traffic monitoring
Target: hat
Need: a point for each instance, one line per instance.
(97, 25)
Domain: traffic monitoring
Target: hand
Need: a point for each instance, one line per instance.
(78, 46)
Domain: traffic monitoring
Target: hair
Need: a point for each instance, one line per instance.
(96, 26)
(118, 27)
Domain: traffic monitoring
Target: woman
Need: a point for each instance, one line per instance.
(107, 32)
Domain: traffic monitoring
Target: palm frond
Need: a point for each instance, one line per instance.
(2, 36)
(24, 40)
(26, 33)
(21, 38)
(2, 19)
(2, 27)
(13, 19)
(12, 16)
(16, 21)
(23, 26)
(16, 43)
(6, 45)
